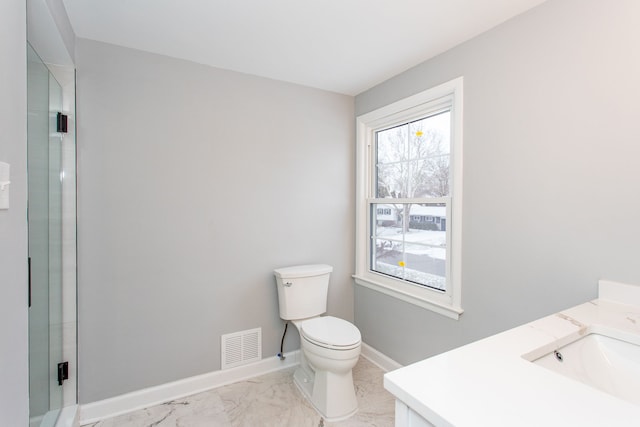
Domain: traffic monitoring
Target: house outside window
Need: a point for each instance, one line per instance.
(410, 164)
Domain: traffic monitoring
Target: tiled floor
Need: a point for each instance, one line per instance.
(270, 400)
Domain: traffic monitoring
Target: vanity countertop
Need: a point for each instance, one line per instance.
(490, 383)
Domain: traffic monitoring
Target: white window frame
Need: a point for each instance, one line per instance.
(447, 303)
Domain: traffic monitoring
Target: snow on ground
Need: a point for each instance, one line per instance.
(418, 242)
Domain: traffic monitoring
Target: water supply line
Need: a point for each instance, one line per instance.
(281, 354)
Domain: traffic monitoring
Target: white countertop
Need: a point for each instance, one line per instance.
(489, 383)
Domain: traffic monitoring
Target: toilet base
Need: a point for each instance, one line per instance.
(332, 395)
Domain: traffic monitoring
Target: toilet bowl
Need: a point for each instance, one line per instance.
(330, 348)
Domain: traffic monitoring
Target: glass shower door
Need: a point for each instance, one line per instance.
(44, 160)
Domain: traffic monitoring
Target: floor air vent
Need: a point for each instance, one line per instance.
(240, 348)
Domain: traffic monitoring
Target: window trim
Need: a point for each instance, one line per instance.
(446, 303)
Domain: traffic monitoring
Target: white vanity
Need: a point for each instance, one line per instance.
(578, 367)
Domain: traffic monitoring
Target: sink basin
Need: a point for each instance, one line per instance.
(599, 360)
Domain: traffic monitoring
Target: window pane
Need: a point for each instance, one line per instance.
(393, 180)
(431, 177)
(391, 162)
(392, 144)
(411, 243)
(430, 135)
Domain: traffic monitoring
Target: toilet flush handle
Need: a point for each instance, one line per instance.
(288, 284)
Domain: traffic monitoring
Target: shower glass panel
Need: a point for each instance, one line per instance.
(44, 161)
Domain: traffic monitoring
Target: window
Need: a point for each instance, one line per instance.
(409, 198)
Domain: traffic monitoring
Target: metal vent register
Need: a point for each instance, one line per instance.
(241, 348)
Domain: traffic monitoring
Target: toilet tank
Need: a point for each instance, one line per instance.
(302, 290)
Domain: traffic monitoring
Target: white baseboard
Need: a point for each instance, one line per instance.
(118, 405)
(382, 361)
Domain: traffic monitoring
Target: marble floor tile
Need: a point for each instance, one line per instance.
(270, 400)
(202, 409)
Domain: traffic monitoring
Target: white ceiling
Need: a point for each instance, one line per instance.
(344, 46)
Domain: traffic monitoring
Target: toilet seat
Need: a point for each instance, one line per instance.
(331, 332)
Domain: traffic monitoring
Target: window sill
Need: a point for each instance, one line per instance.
(411, 297)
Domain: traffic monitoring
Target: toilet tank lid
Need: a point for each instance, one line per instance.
(302, 271)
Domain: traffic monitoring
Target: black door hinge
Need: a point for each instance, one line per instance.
(61, 123)
(63, 372)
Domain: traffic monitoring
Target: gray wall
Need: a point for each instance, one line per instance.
(551, 179)
(194, 183)
(14, 397)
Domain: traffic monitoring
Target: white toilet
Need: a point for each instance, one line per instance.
(330, 346)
